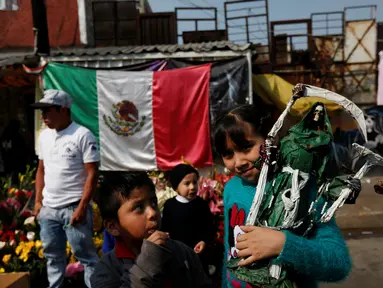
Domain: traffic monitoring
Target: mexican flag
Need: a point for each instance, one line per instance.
(142, 120)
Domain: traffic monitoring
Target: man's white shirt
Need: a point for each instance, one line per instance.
(64, 154)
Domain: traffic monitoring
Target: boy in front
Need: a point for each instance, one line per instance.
(143, 256)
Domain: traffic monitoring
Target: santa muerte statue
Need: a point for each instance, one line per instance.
(301, 192)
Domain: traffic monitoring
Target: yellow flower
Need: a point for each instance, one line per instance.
(19, 248)
(68, 251)
(38, 244)
(2, 270)
(24, 248)
(72, 259)
(41, 253)
(7, 258)
(21, 178)
(97, 219)
(11, 190)
(24, 256)
(97, 242)
(30, 244)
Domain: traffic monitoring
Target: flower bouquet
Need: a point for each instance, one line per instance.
(20, 247)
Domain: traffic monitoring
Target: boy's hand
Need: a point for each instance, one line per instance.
(199, 247)
(158, 237)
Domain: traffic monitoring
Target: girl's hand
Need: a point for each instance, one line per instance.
(259, 243)
(199, 247)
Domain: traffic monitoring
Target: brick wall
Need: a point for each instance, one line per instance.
(16, 26)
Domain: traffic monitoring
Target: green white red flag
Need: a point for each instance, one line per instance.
(143, 120)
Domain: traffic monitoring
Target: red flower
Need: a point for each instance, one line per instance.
(23, 238)
(26, 213)
(8, 236)
(13, 225)
(29, 194)
(20, 193)
(13, 203)
(11, 236)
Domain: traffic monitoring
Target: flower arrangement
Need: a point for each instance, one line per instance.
(23, 256)
(21, 249)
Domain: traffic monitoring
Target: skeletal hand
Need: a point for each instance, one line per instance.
(356, 186)
(298, 90)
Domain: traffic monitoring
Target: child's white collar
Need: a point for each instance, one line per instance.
(182, 199)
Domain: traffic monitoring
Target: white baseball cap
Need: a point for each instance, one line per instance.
(54, 98)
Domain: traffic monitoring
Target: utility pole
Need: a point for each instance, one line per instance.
(40, 27)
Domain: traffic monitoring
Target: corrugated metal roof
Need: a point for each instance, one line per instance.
(125, 50)
(11, 58)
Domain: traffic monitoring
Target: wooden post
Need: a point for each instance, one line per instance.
(40, 27)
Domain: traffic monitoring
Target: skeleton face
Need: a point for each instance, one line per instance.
(318, 113)
(370, 122)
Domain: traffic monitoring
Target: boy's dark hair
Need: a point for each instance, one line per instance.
(116, 187)
(235, 123)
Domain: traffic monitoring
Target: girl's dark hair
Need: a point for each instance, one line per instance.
(235, 125)
(115, 189)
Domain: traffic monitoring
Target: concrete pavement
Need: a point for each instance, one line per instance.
(362, 226)
(367, 270)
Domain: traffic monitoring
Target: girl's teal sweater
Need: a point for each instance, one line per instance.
(322, 257)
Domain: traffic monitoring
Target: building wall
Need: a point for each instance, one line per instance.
(16, 27)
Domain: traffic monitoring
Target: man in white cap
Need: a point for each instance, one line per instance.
(65, 182)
